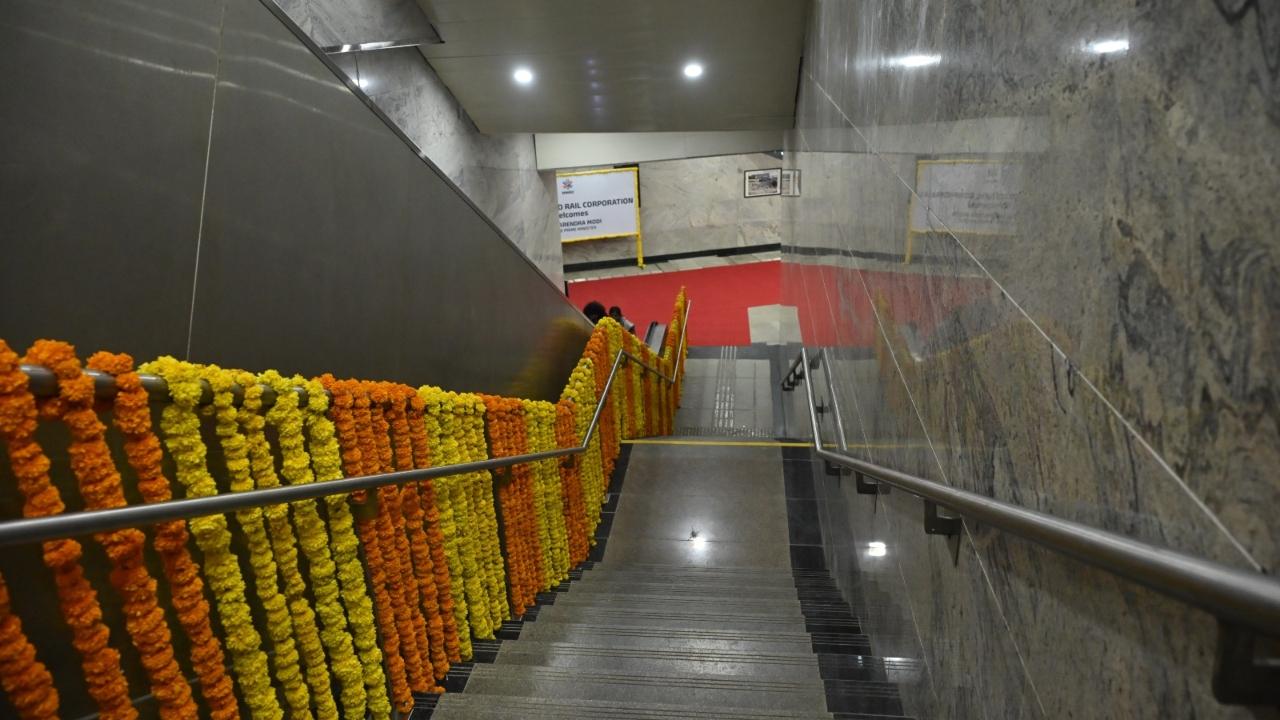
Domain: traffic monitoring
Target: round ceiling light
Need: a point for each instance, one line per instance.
(693, 70)
(523, 75)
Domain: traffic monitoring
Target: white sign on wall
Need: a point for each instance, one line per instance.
(598, 204)
(969, 196)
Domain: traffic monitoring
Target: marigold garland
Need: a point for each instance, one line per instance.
(76, 597)
(180, 425)
(452, 509)
(410, 433)
(548, 503)
(313, 536)
(131, 414)
(342, 412)
(262, 557)
(571, 479)
(435, 536)
(391, 527)
(327, 460)
(101, 488)
(26, 680)
(507, 437)
(285, 547)
(470, 409)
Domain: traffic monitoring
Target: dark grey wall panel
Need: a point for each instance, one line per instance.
(105, 112)
(329, 246)
(324, 241)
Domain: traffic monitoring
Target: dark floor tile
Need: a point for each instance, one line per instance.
(808, 557)
(802, 522)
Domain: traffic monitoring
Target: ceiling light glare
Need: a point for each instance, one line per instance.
(1102, 47)
(876, 549)
(915, 61)
(523, 75)
(693, 70)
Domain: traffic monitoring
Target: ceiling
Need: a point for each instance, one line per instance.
(617, 65)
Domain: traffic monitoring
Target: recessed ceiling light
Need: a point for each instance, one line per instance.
(523, 75)
(693, 70)
(1102, 47)
(876, 548)
(912, 61)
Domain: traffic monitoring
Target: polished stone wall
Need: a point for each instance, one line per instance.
(1048, 233)
(497, 172)
(695, 204)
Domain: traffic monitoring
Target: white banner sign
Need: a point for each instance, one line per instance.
(967, 196)
(598, 204)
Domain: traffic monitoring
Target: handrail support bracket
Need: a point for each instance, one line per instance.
(1246, 667)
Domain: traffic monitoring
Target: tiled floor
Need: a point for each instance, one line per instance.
(726, 397)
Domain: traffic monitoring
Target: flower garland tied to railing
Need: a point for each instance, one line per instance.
(365, 598)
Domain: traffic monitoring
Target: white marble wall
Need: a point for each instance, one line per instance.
(1110, 356)
(497, 172)
(695, 204)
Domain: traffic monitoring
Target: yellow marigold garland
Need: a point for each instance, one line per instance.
(313, 536)
(435, 535)
(180, 425)
(327, 459)
(540, 428)
(470, 409)
(235, 451)
(285, 549)
(451, 507)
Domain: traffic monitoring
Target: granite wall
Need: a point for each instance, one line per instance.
(497, 172)
(694, 204)
(1048, 234)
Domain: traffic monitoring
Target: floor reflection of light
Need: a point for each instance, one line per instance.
(697, 541)
(876, 549)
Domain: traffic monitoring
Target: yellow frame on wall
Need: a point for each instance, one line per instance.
(638, 234)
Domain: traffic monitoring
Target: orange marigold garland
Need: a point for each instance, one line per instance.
(413, 636)
(505, 420)
(451, 509)
(342, 412)
(131, 414)
(101, 488)
(76, 597)
(25, 679)
(574, 509)
(399, 409)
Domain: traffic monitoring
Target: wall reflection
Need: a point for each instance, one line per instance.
(1039, 247)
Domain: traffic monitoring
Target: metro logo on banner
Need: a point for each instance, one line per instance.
(598, 204)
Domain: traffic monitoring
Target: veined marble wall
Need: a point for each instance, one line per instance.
(694, 204)
(1051, 229)
(497, 172)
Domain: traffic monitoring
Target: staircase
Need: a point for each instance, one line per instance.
(742, 623)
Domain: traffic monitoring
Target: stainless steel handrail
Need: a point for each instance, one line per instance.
(1245, 598)
(32, 530)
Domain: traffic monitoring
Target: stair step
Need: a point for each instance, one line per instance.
(691, 690)
(660, 661)
(714, 639)
(509, 707)
(606, 586)
(690, 604)
(673, 619)
(694, 575)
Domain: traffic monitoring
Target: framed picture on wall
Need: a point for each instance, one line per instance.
(762, 183)
(790, 185)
